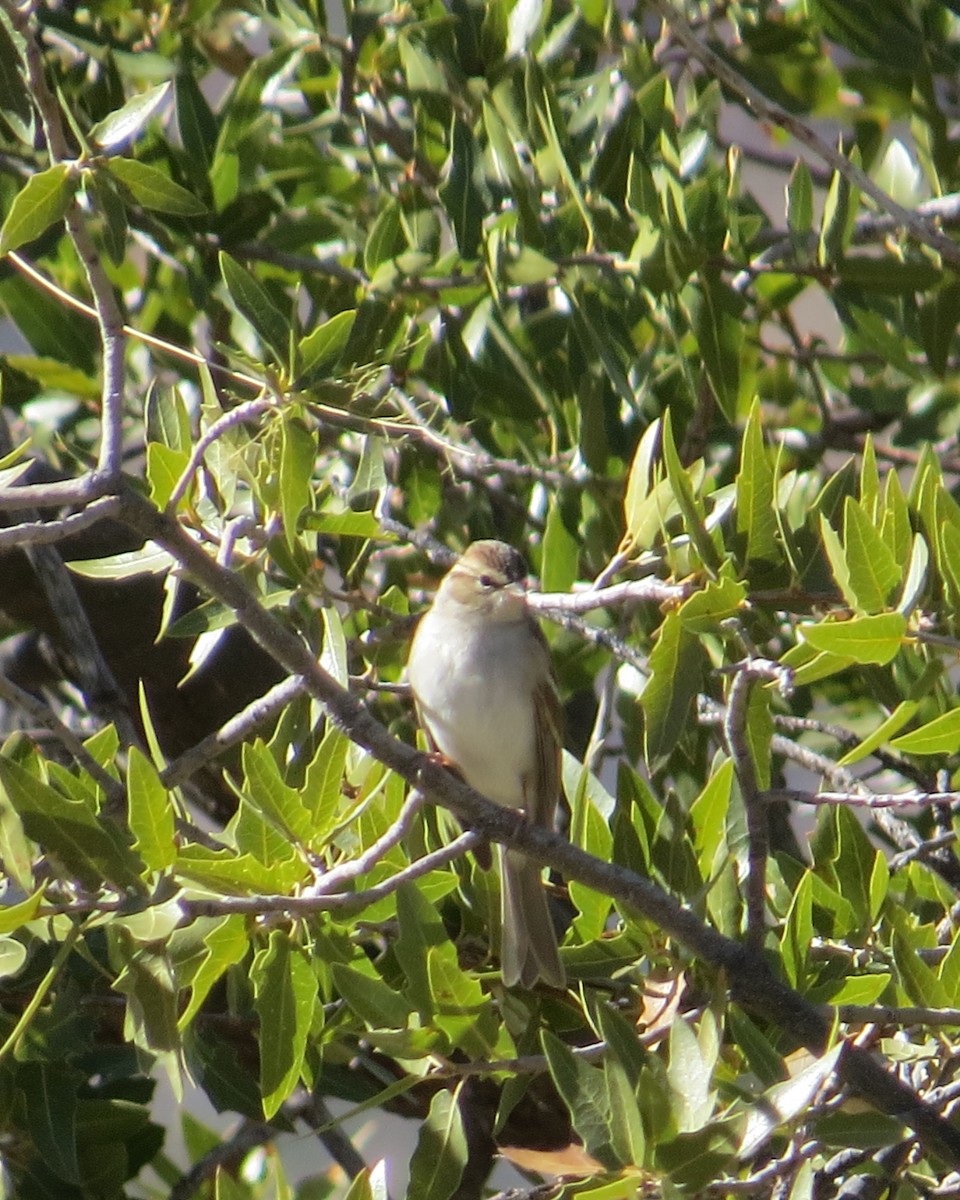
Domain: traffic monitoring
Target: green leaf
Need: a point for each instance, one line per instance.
(370, 480)
(861, 989)
(798, 933)
(104, 195)
(440, 1155)
(857, 1130)
(591, 807)
(285, 994)
(13, 916)
(386, 239)
(345, 524)
(149, 559)
(421, 930)
(254, 302)
(264, 785)
(151, 1017)
(164, 469)
(939, 736)
(854, 863)
(800, 199)
(916, 576)
(903, 713)
(166, 418)
(881, 33)
(939, 318)
(50, 1099)
(758, 733)
(873, 570)
(423, 73)
(14, 90)
(836, 221)
(863, 639)
(785, 1101)
(461, 1009)
(333, 657)
(920, 983)
(321, 349)
(689, 1076)
(195, 120)
(216, 944)
(154, 190)
(719, 599)
(150, 813)
(560, 565)
(459, 193)
(689, 504)
(895, 525)
(584, 1091)
(323, 786)
(676, 673)
(91, 850)
(298, 454)
(719, 329)
(40, 203)
(626, 1124)
(376, 1004)
(756, 520)
(238, 874)
(126, 122)
(13, 955)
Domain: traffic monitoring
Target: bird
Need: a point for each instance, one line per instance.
(486, 695)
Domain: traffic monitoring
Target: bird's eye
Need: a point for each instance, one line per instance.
(487, 581)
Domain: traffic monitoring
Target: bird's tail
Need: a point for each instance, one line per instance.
(528, 949)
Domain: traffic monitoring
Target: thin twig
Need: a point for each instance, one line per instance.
(860, 799)
(328, 883)
(45, 533)
(310, 902)
(633, 591)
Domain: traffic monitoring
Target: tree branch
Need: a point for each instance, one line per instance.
(750, 979)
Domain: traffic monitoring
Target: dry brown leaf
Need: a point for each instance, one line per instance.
(568, 1160)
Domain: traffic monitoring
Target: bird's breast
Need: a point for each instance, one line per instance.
(475, 694)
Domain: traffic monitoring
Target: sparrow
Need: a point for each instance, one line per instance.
(486, 695)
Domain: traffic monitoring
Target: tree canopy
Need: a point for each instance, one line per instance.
(303, 301)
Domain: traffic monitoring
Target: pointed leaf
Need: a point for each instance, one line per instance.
(756, 519)
(254, 302)
(69, 830)
(154, 190)
(124, 124)
(320, 350)
(150, 812)
(40, 203)
(939, 736)
(864, 639)
(873, 570)
(285, 993)
(584, 1091)
(676, 671)
(719, 331)
(440, 1156)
